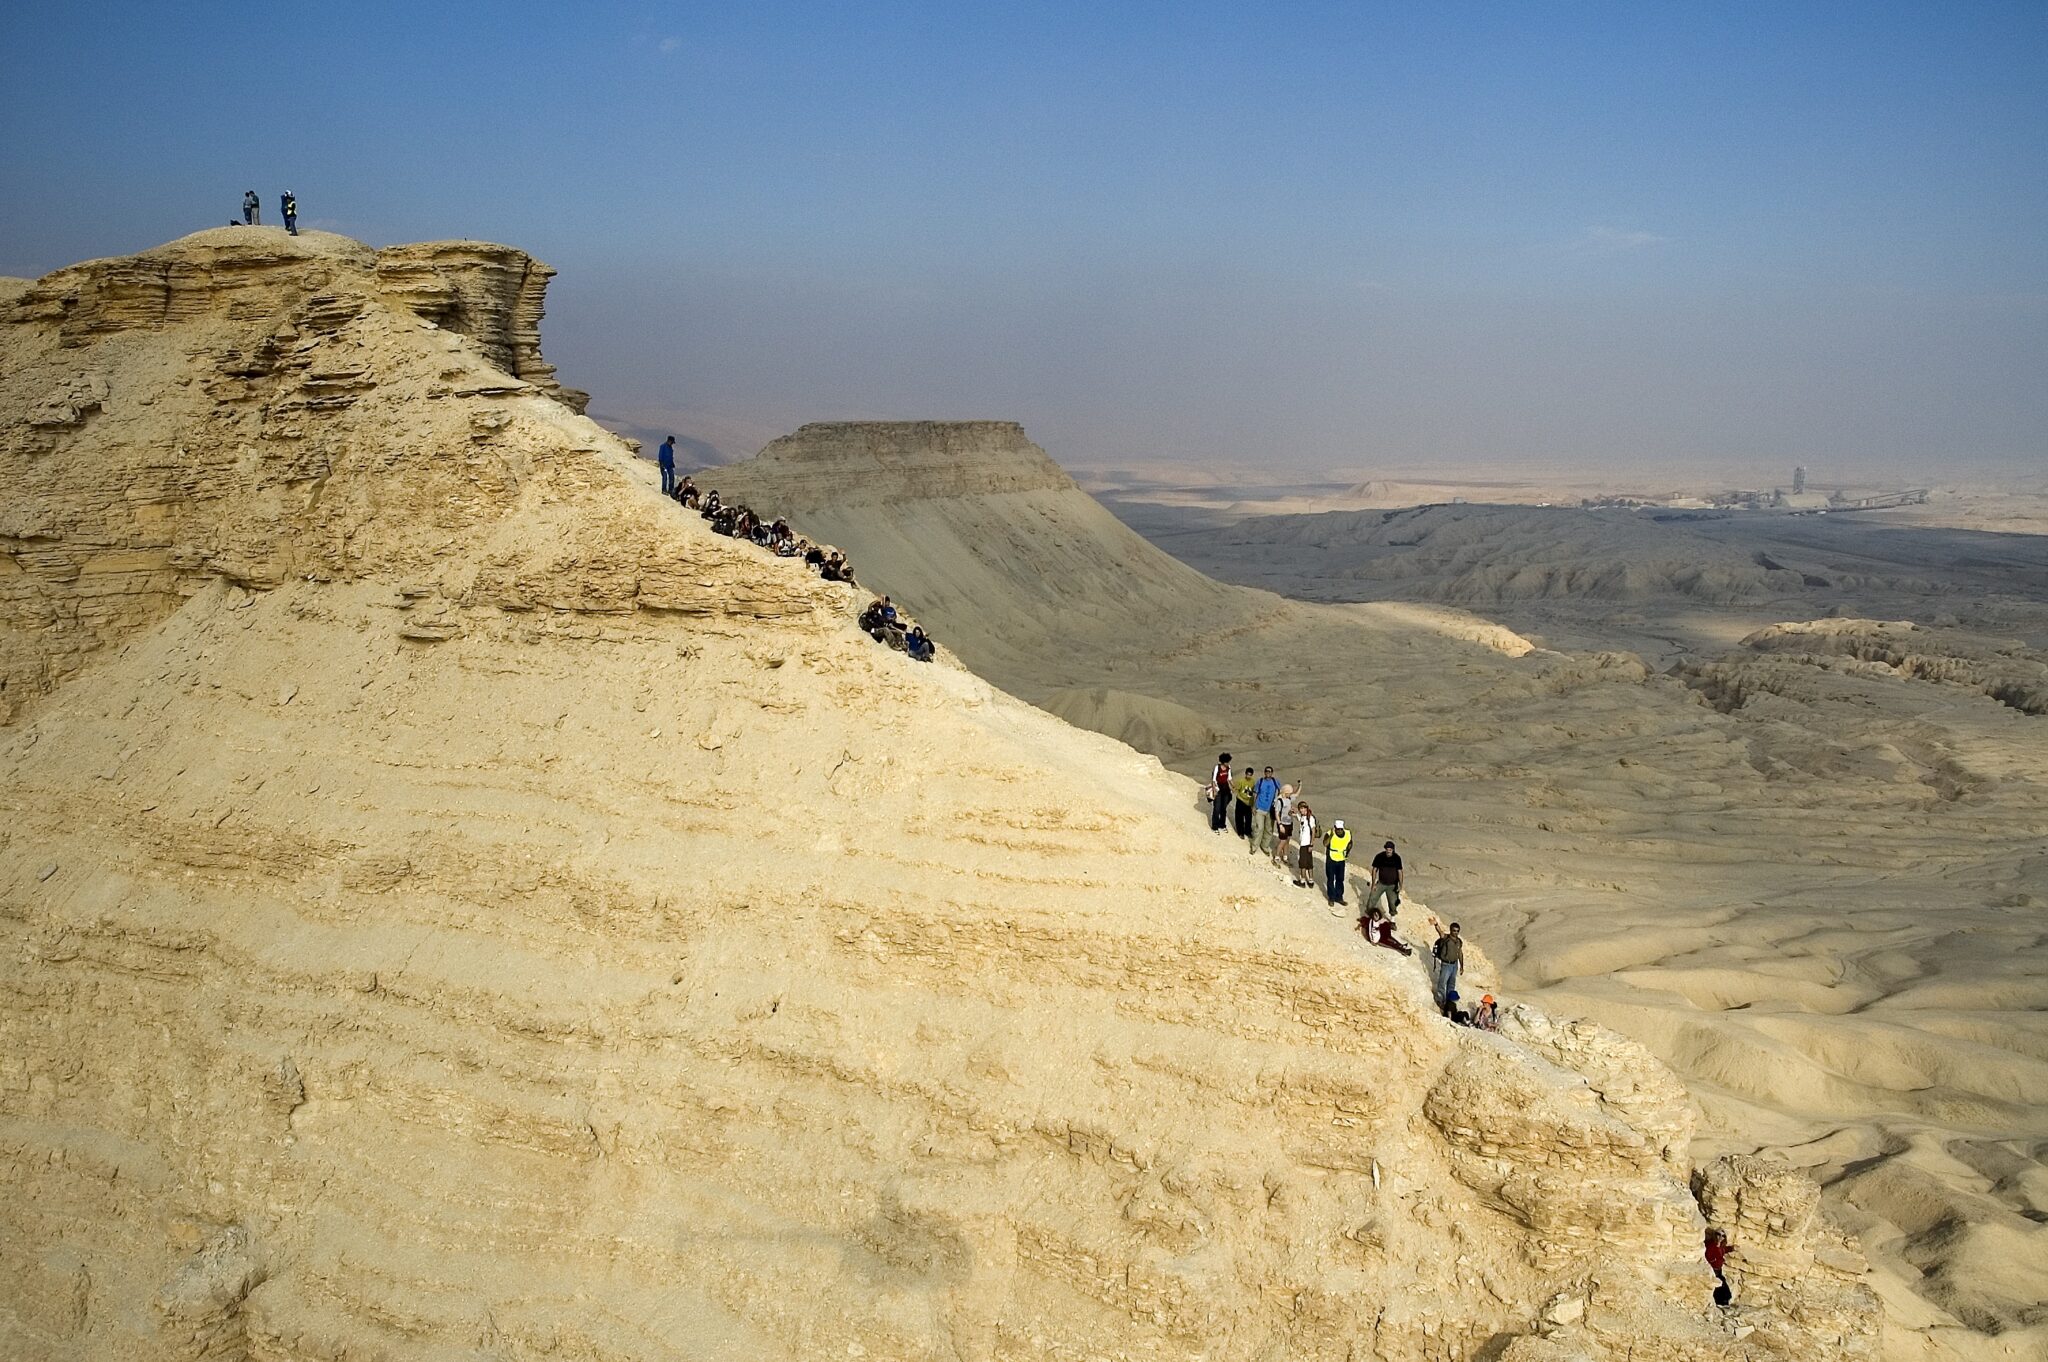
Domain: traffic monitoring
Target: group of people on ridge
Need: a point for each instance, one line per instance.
(252, 210)
(880, 620)
(1277, 821)
(884, 623)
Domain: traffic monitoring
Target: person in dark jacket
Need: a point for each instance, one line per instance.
(667, 460)
(252, 208)
(1449, 951)
(289, 204)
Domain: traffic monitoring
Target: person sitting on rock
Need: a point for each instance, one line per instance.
(1486, 1016)
(871, 621)
(712, 505)
(814, 557)
(686, 492)
(1380, 931)
(918, 644)
(1454, 1014)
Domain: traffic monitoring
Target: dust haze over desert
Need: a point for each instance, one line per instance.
(460, 902)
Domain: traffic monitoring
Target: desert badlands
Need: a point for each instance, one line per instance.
(457, 906)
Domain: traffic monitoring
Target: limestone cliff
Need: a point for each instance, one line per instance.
(456, 906)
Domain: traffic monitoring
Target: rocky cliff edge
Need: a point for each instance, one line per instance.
(454, 905)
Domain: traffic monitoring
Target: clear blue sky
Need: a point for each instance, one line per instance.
(1366, 235)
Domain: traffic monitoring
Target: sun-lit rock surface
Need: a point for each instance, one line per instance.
(1800, 860)
(455, 905)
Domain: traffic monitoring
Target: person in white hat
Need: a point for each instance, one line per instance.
(1336, 850)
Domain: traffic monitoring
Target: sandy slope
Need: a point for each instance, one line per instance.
(455, 906)
(1809, 870)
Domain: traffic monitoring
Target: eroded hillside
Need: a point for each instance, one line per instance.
(455, 906)
(1806, 868)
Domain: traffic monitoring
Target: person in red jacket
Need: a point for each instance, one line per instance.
(1718, 1249)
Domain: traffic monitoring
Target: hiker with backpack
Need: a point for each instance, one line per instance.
(1219, 793)
(1449, 951)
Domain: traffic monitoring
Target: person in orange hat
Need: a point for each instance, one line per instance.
(1486, 1016)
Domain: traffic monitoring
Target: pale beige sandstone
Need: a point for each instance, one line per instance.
(1804, 867)
(456, 906)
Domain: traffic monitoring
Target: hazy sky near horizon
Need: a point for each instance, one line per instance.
(1561, 234)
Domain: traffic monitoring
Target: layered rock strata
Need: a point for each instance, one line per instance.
(454, 905)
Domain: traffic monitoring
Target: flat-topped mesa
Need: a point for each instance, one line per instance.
(492, 294)
(856, 463)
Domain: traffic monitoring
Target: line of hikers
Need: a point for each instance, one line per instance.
(1276, 820)
(881, 620)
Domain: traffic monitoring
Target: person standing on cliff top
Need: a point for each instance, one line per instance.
(1386, 880)
(289, 205)
(667, 460)
(252, 208)
(1263, 794)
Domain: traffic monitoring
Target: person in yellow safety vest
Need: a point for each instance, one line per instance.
(1336, 850)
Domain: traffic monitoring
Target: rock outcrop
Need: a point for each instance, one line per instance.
(455, 905)
(181, 416)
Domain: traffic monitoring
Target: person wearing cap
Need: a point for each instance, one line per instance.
(1336, 850)
(1486, 1016)
(1263, 794)
(1449, 951)
(1386, 880)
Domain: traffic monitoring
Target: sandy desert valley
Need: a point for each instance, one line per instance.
(457, 906)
